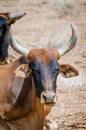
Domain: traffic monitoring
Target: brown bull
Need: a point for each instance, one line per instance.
(28, 86)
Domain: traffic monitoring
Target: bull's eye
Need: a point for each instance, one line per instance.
(35, 71)
(56, 71)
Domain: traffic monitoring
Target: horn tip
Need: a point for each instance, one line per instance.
(74, 30)
(24, 13)
(73, 27)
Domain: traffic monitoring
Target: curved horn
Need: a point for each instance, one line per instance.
(16, 15)
(66, 48)
(16, 46)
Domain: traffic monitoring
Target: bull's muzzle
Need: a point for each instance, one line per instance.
(48, 97)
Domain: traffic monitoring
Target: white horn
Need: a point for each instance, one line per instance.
(15, 44)
(16, 15)
(66, 48)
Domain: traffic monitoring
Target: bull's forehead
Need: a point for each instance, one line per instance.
(4, 16)
(44, 55)
(2, 21)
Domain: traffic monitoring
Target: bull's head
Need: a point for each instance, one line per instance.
(6, 19)
(45, 68)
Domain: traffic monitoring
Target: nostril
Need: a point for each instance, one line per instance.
(53, 96)
(45, 98)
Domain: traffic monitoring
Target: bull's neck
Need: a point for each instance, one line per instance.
(27, 94)
(26, 103)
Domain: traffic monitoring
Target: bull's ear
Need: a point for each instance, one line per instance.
(22, 71)
(68, 71)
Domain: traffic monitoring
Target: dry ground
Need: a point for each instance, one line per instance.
(47, 21)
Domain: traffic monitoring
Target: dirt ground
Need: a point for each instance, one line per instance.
(45, 23)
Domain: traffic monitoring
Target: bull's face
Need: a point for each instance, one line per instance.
(45, 69)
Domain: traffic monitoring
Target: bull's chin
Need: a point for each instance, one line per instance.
(49, 103)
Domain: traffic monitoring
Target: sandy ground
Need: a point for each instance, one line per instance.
(45, 24)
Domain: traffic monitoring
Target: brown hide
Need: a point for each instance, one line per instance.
(9, 109)
(27, 113)
(9, 86)
(3, 125)
(44, 54)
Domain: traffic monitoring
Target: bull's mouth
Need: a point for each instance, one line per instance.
(50, 103)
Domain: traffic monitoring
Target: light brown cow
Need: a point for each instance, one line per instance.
(28, 86)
